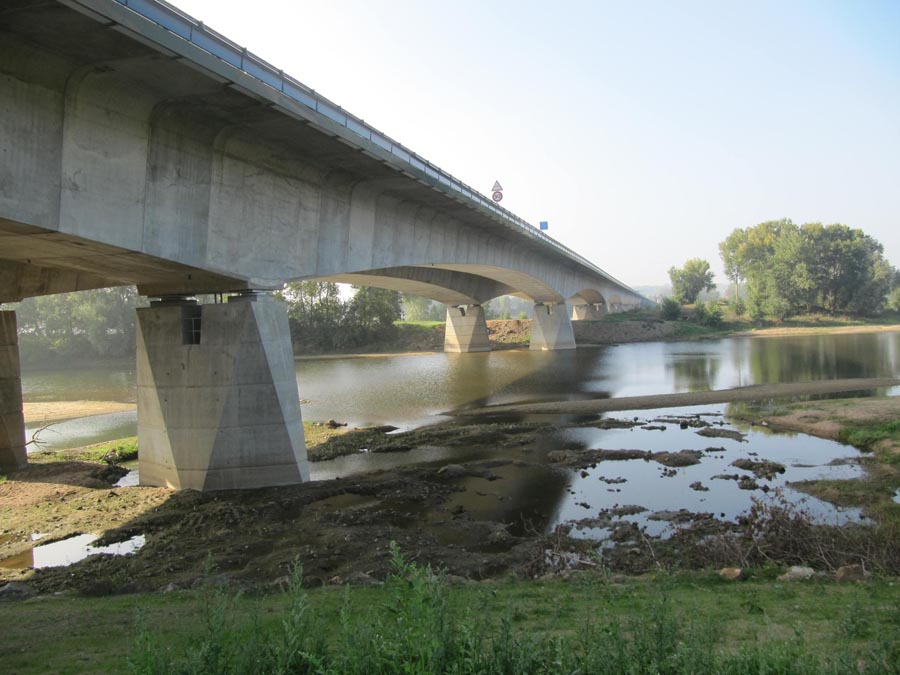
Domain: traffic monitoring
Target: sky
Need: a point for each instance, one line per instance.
(644, 132)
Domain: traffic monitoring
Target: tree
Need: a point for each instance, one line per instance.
(85, 325)
(688, 282)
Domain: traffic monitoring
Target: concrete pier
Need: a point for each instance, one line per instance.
(588, 312)
(551, 328)
(12, 422)
(218, 406)
(466, 330)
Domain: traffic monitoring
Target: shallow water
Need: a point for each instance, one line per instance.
(68, 551)
(412, 390)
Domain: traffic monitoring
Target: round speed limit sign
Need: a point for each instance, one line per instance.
(497, 196)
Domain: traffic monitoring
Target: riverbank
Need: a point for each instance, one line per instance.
(449, 516)
(450, 513)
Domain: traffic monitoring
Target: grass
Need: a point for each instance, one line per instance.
(417, 623)
(422, 324)
(866, 437)
(125, 449)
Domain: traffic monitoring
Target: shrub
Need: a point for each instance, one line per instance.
(671, 309)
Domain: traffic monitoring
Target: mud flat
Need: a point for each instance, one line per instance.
(682, 399)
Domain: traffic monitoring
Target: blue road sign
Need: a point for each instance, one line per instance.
(544, 225)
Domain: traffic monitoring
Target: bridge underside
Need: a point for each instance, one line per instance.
(132, 157)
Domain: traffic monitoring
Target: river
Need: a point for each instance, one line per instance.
(409, 391)
(412, 390)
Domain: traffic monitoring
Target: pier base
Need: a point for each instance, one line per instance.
(217, 396)
(551, 328)
(466, 330)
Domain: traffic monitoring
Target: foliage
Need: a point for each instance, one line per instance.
(866, 437)
(689, 281)
(416, 308)
(791, 269)
(87, 325)
(670, 309)
(322, 321)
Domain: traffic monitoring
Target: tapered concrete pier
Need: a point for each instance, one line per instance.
(551, 328)
(466, 330)
(217, 395)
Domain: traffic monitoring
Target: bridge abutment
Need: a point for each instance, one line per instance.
(218, 406)
(551, 328)
(12, 421)
(588, 312)
(466, 330)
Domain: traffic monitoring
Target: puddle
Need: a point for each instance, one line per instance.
(130, 479)
(69, 551)
(596, 490)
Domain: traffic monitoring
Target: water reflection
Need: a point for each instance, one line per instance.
(410, 391)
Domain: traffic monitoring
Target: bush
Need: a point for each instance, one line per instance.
(739, 307)
(671, 309)
(713, 314)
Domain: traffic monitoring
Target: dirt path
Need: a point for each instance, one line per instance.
(752, 393)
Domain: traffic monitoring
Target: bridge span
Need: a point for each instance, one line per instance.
(138, 146)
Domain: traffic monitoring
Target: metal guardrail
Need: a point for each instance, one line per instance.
(193, 31)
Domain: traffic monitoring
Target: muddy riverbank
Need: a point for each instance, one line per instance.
(451, 514)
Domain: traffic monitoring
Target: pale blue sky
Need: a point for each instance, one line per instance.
(643, 131)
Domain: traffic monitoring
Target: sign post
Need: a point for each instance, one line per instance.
(497, 191)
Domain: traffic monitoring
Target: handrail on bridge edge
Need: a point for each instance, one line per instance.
(186, 27)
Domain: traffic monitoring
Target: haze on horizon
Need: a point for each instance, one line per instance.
(643, 132)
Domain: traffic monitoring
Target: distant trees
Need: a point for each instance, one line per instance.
(689, 281)
(788, 269)
(84, 326)
(322, 320)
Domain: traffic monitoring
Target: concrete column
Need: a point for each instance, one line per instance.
(588, 312)
(466, 330)
(551, 328)
(12, 422)
(218, 406)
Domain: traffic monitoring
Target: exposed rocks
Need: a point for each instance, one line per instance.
(679, 516)
(619, 455)
(710, 432)
(697, 486)
(797, 573)
(762, 469)
(613, 423)
(677, 459)
(732, 574)
(653, 427)
(847, 573)
(16, 590)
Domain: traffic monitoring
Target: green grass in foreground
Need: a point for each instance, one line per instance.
(416, 623)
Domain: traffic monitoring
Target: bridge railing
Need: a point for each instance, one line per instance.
(195, 32)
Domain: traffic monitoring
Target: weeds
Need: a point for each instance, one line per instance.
(416, 630)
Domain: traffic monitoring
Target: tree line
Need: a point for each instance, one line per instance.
(779, 269)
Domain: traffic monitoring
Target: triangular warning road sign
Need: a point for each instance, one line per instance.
(497, 187)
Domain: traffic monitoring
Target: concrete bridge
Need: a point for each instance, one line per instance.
(139, 147)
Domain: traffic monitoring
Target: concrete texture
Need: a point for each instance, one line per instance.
(12, 423)
(218, 406)
(466, 330)
(132, 156)
(591, 312)
(551, 328)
